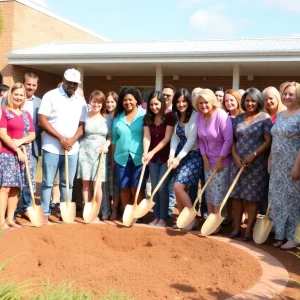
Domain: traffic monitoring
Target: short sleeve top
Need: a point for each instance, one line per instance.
(15, 127)
(157, 134)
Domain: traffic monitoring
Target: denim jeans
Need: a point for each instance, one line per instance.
(26, 196)
(172, 198)
(161, 198)
(51, 164)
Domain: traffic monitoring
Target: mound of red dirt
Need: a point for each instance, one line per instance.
(144, 263)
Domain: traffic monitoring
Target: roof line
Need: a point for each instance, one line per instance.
(57, 17)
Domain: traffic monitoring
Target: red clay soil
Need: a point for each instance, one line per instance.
(143, 263)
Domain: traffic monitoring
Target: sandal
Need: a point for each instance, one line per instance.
(289, 245)
(278, 244)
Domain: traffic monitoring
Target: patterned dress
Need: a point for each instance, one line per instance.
(284, 193)
(13, 172)
(96, 133)
(253, 183)
(188, 170)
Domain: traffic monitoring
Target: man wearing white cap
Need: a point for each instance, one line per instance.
(62, 116)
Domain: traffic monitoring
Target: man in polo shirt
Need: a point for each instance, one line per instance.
(62, 116)
(32, 105)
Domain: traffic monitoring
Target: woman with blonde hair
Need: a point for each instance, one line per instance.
(16, 129)
(284, 167)
(215, 137)
(272, 102)
(232, 103)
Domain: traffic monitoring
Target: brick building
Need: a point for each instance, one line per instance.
(110, 65)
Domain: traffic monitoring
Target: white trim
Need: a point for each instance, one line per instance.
(38, 60)
(57, 17)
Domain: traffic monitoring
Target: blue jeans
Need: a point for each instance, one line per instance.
(26, 197)
(172, 198)
(161, 198)
(51, 164)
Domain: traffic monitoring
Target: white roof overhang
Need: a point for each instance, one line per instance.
(182, 57)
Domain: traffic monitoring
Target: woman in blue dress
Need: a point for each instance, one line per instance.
(184, 153)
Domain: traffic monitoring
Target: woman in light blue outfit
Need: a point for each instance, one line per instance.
(127, 144)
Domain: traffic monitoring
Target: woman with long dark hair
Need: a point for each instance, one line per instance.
(158, 130)
(184, 154)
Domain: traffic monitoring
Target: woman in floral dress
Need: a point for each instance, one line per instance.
(97, 138)
(252, 140)
(16, 129)
(284, 188)
(184, 153)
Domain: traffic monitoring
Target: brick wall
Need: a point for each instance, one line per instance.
(7, 12)
(47, 81)
(188, 82)
(26, 27)
(32, 27)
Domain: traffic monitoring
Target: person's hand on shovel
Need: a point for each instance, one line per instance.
(237, 160)
(147, 157)
(249, 159)
(103, 149)
(67, 143)
(21, 155)
(175, 162)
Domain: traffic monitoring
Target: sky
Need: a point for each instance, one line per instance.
(181, 19)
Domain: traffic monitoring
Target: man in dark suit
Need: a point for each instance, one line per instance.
(32, 105)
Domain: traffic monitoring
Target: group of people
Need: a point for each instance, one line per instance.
(199, 135)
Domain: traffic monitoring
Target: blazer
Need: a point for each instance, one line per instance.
(36, 145)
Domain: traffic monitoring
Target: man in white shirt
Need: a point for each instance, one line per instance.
(32, 105)
(62, 116)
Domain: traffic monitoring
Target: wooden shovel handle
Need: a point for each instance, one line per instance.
(161, 181)
(97, 176)
(231, 188)
(67, 175)
(29, 177)
(204, 187)
(139, 185)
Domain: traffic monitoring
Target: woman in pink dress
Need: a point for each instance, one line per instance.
(16, 129)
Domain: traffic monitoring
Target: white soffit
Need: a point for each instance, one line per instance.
(222, 50)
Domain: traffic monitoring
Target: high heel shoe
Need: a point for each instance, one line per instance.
(234, 235)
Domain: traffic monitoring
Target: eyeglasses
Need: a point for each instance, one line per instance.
(167, 95)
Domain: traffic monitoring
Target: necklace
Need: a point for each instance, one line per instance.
(156, 130)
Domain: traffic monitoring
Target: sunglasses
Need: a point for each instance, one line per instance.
(167, 95)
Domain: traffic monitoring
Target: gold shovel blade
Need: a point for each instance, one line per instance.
(36, 215)
(68, 211)
(143, 208)
(128, 216)
(186, 217)
(261, 230)
(212, 222)
(297, 234)
(90, 211)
